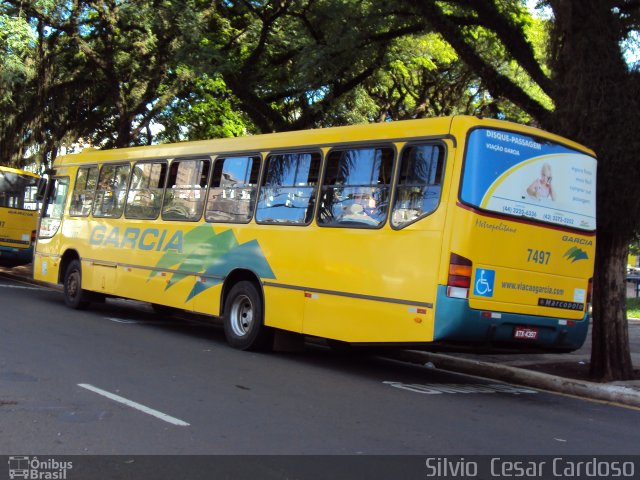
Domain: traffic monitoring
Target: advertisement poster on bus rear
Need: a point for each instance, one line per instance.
(525, 176)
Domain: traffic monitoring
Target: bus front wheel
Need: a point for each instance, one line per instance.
(244, 326)
(74, 296)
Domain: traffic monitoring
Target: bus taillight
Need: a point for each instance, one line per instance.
(590, 291)
(33, 237)
(459, 278)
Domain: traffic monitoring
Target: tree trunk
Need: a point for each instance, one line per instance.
(610, 357)
(597, 105)
(123, 138)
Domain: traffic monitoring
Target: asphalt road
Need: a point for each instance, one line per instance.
(78, 382)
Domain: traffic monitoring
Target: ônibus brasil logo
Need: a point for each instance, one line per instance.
(22, 466)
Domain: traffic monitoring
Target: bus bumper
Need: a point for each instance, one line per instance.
(12, 257)
(456, 322)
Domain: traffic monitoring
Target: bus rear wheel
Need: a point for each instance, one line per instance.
(74, 296)
(244, 326)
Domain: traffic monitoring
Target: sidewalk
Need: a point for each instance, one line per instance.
(566, 373)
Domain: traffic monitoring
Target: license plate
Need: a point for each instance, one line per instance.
(525, 333)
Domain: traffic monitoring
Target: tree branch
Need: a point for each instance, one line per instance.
(511, 36)
(497, 84)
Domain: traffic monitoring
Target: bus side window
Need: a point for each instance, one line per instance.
(84, 191)
(419, 183)
(356, 188)
(186, 189)
(288, 190)
(232, 195)
(111, 191)
(144, 199)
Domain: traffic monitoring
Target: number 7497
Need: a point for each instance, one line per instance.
(538, 256)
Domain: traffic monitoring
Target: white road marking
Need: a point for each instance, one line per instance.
(19, 286)
(120, 320)
(132, 404)
(438, 388)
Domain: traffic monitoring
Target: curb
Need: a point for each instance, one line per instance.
(596, 391)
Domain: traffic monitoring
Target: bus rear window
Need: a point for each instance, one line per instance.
(18, 190)
(522, 176)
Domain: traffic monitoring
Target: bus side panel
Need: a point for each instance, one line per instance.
(99, 278)
(168, 289)
(275, 264)
(381, 279)
(365, 321)
(135, 282)
(168, 283)
(207, 302)
(45, 267)
(112, 252)
(283, 308)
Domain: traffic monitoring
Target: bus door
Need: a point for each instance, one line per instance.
(47, 257)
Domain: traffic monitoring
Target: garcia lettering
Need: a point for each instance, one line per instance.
(149, 239)
(577, 240)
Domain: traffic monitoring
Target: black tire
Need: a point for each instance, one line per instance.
(244, 318)
(74, 296)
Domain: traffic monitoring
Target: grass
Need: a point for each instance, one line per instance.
(633, 307)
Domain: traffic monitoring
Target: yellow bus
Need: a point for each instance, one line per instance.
(454, 230)
(18, 216)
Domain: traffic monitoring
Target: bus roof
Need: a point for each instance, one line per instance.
(18, 171)
(330, 136)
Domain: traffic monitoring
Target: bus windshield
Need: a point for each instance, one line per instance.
(524, 176)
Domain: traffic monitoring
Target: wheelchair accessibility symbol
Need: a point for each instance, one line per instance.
(484, 282)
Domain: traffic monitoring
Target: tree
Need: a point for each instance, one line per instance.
(95, 70)
(596, 101)
(289, 63)
(205, 109)
(130, 50)
(315, 63)
(29, 79)
(422, 76)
